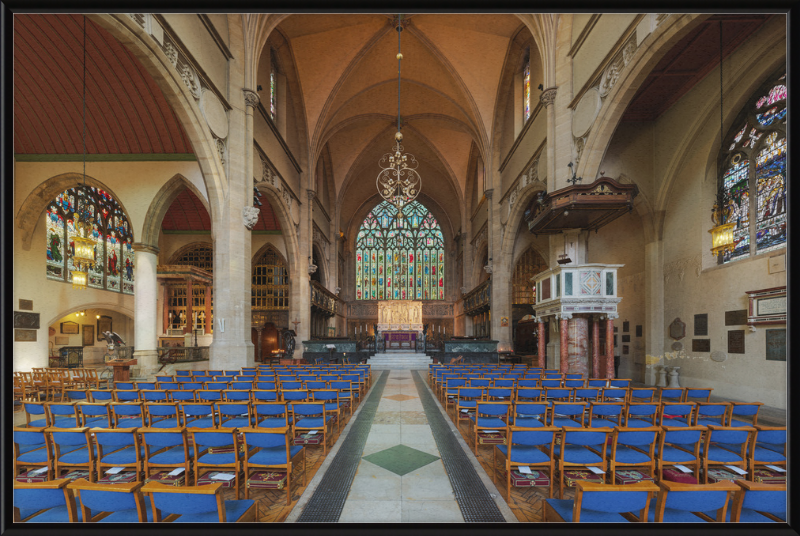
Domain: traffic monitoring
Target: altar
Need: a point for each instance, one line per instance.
(404, 316)
(400, 340)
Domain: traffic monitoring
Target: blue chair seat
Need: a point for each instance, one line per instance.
(564, 508)
(576, 454)
(130, 515)
(77, 456)
(675, 422)
(468, 403)
(124, 456)
(739, 424)
(639, 423)
(38, 456)
(57, 514)
(747, 516)
(525, 454)
(491, 422)
(671, 454)
(97, 422)
(38, 423)
(233, 511)
(707, 422)
(274, 455)
(202, 422)
(529, 422)
(272, 422)
(129, 423)
(558, 422)
(222, 458)
(770, 446)
(330, 406)
(311, 422)
(169, 422)
(236, 422)
(64, 422)
(718, 454)
(767, 455)
(672, 515)
(171, 456)
(628, 455)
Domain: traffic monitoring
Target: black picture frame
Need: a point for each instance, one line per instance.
(701, 325)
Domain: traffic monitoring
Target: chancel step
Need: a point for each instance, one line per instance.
(399, 361)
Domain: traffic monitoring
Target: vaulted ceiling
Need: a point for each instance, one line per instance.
(126, 112)
(187, 213)
(347, 69)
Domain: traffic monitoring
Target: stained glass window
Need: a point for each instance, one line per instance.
(105, 223)
(754, 172)
(526, 88)
(400, 258)
(273, 99)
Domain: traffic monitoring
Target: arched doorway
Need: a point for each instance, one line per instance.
(269, 302)
(267, 341)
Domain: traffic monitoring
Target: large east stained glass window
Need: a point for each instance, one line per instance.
(753, 170)
(107, 225)
(400, 258)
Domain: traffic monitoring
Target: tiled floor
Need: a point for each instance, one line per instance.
(400, 477)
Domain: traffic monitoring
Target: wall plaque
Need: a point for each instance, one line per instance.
(639, 330)
(70, 328)
(625, 349)
(736, 341)
(767, 306)
(88, 335)
(736, 318)
(701, 345)
(677, 330)
(626, 326)
(26, 305)
(62, 340)
(701, 325)
(26, 320)
(776, 345)
(677, 346)
(626, 338)
(25, 335)
(105, 323)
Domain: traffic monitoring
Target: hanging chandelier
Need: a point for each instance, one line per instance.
(722, 233)
(398, 181)
(83, 256)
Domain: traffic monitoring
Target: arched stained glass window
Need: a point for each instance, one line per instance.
(526, 87)
(107, 225)
(753, 171)
(400, 258)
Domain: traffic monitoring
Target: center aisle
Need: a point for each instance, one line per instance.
(401, 476)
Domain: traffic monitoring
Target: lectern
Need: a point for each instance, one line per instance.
(122, 369)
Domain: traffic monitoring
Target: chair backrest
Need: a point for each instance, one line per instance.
(198, 409)
(166, 386)
(643, 438)
(469, 393)
(146, 385)
(233, 409)
(265, 395)
(205, 437)
(678, 411)
(764, 498)
(674, 394)
(550, 383)
(528, 394)
(569, 408)
(557, 393)
(295, 395)
(183, 372)
(614, 393)
(154, 395)
(619, 383)
(205, 394)
(36, 496)
(74, 394)
(596, 382)
(265, 438)
(29, 436)
(609, 498)
(191, 386)
(496, 409)
(162, 410)
(307, 408)
(586, 437)
(730, 436)
(693, 392)
(770, 435)
(124, 386)
(126, 396)
(269, 386)
(745, 409)
(641, 409)
(694, 497)
(181, 396)
(185, 500)
(111, 439)
(70, 437)
(689, 437)
(574, 384)
(100, 394)
(529, 409)
(216, 386)
(586, 393)
(233, 395)
(718, 411)
(271, 409)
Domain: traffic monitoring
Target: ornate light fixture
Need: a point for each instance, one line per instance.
(722, 232)
(398, 181)
(83, 257)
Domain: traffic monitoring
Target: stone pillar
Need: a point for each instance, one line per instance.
(595, 347)
(610, 346)
(189, 307)
(548, 97)
(654, 327)
(145, 304)
(209, 325)
(578, 346)
(542, 348)
(564, 347)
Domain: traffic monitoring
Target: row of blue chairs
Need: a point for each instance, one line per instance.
(67, 501)
(742, 501)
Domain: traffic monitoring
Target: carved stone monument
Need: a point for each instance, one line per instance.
(400, 316)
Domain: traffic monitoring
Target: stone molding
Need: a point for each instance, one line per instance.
(548, 96)
(145, 248)
(251, 98)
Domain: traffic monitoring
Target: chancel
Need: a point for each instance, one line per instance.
(415, 267)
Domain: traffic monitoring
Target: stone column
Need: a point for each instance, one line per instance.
(578, 346)
(564, 347)
(654, 342)
(595, 347)
(548, 98)
(610, 345)
(542, 348)
(145, 305)
(189, 307)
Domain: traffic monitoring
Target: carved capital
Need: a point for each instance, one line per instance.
(488, 193)
(548, 96)
(251, 98)
(312, 268)
(145, 248)
(611, 316)
(311, 194)
(566, 316)
(250, 216)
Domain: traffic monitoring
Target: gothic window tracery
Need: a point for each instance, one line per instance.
(400, 258)
(753, 171)
(106, 224)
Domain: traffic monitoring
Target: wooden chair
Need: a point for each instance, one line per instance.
(49, 502)
(692, 503)
(197, 504)
(602, 503)
(112, 503)
(758, 503)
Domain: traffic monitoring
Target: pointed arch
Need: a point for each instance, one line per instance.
(151, 226)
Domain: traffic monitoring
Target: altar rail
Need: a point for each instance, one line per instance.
(323, 299)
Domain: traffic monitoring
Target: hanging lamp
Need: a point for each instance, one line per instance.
(722, 233)
(83, 257)
(398, 181)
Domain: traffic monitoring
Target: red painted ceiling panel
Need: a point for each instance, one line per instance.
(126, 112)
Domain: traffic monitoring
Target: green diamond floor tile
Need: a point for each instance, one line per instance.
(401, 459)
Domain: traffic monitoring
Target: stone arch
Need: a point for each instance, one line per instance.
(515, 216)
(30, 211)
(151, 227)
(115, 307)
(267, 247)
(481, 250)
(187, 248)
(149, 53)
(322, 266)
(288, 228)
